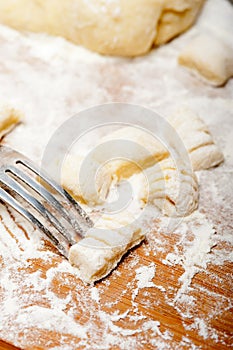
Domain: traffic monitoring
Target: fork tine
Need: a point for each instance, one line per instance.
(20, 190)
(37, 187)
(8, 199)
(84, 218)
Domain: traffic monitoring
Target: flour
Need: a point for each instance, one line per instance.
(144, 276)
(50, 80)
(95, 294)
(196, 256)
(203, 330)
(196, 253)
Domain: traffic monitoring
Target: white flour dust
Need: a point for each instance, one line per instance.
(177, 274)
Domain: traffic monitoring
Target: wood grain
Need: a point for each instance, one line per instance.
(154, 306)
(6, 346)
(53, 88)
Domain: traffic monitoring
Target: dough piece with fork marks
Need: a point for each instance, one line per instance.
(197, 139)
(194, 133)
(104, 245)
(171, 187)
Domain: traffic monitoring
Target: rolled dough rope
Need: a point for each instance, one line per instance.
(100, 251)
(137, 138)
(82, 190)
(118, 27)
(9, 117)
(114, 171)
(210, 52)
(193, 132)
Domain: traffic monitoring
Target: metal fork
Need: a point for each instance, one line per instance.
(22, 187)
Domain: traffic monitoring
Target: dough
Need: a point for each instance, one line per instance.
(117, 27)
(209, 52)
(100, 251)
(9, 117)
(193, 132)
(176, 17)
(174, 192)
(83, 189)
(143, 151)
(210, 57)
(203, 152)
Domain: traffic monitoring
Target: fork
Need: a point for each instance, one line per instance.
(30, 191)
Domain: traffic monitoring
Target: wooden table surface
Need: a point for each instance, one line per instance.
(169, 319)
(188, 304)
(211, 289)
(6, 346)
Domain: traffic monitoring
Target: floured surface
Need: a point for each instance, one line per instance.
(174, 291)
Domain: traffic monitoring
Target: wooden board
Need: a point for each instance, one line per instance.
(210, 288)
(43, 303)
(169, 319)
(5, 346)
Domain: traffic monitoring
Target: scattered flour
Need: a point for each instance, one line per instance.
(203, 329)
(144, 276)
(95, 294)
(50, 79)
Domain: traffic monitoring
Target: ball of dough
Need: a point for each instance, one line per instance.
(177, 16)
(116, 27)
